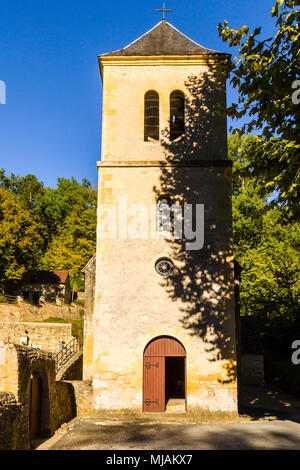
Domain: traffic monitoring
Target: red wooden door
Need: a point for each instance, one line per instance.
(154, 384)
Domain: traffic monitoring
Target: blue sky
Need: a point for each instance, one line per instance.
(51, 123)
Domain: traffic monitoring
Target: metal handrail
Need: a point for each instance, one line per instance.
(63, 356)
(8, 297)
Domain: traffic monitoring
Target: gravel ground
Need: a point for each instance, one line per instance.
(95, 434)
(270, 420)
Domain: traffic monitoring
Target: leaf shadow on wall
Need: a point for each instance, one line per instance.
(203, 279)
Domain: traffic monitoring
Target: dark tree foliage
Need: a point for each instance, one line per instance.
(45, 228)
(265, 74)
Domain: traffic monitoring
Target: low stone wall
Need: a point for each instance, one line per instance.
(24, 312)
(44, 336)
(12, 430)
(83, 396)
(65, 408)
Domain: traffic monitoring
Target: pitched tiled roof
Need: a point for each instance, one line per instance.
(163, 39)
(47, 277)
(90, 264)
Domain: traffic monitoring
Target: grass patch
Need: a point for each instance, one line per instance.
(77, 326)
(54, 320)
(77, 329)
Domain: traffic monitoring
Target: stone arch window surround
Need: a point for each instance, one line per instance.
(177, 115)
(151, 116)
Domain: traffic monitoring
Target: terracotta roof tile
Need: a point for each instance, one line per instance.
(46, 277)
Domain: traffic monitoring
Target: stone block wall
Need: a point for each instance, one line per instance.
(125, 97)
(12, 435)
(65, 408)
(89, 299)
(44, 336)
(29, 313)
(17, 365)
(195, 305)
(83, 396)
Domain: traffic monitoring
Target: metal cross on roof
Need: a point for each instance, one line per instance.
(164, 10)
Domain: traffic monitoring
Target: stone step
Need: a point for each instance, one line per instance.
(175, 405)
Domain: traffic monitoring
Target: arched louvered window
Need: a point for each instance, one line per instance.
(151, 123)
(176, 114)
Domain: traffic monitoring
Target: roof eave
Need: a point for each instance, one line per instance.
(139, 59)
(203, 59)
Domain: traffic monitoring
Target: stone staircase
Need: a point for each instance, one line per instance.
(68, 361)
(72, 369)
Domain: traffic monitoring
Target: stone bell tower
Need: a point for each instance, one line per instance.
(163, 325)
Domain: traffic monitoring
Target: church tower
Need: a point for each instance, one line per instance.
(163, 325)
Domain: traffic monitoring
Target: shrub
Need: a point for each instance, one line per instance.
(77, 329)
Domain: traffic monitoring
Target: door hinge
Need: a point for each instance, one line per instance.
(148, 402)
(148, 365)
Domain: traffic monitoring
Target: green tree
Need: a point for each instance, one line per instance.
(248, 209)
(27, 187)
(263, 73)
(54, 205)
(20, 242)
(62, 219)
(75, 240)
(270, 286)
(250, 198)
(266, 245)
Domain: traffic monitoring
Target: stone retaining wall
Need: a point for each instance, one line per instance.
(82, 392)
(12, 430)
(65, 408)
(24, 312)
(44, 336)
(17, 365)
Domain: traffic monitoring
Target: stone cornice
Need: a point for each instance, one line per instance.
(163, 163)
(205, 59)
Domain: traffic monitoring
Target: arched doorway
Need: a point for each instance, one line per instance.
(39, 407)
(164, 373)
(35, 407)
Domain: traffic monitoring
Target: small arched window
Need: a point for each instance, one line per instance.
(151, 122)
(176, 114)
